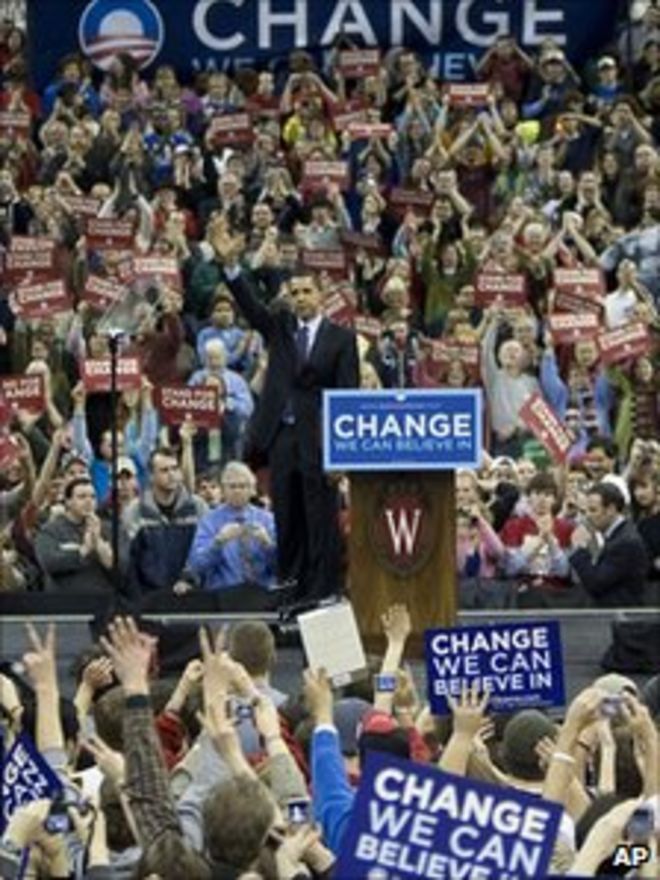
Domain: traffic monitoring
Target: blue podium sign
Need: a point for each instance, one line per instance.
(402, 430)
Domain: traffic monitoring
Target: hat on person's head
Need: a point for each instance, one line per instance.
(379, 732)
(124, 463)
(347, 716)
(521, 736)
(606, 61)
(613, 683)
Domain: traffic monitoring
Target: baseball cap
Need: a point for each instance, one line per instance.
(124, 463)
(606, 61)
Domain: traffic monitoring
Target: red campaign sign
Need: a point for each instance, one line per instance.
(401, 200)
(567, 327)
(30, 243)
(158, 270)
(624, 343)
(9, 451)
(511, 288)
(101, 293)
(200, 403)
(356, 241)
(339, 309)
(444, 353)
(317, 174)
(579, 290)
(29, 254)
(23, 392)
(264, 107)
(345, 118)
(83, 206)
(15, 122)
(234, 128)
(37, 300)
(95, 374)
(468, 94)
(107, 233)
(371, 328)
(331, 261)
(358, 63)
(544, 423)
(368, 130)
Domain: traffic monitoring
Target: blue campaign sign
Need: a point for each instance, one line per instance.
(402, 430)
(190, 34)
(411, 820)
(26, 777)
(520, 663)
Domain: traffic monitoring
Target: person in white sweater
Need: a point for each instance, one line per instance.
(507, 387)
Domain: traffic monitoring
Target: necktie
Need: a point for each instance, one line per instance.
(302, 342)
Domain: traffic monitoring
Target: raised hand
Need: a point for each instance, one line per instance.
(131, 652)
(39, 661)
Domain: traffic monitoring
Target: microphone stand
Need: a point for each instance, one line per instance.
(114, 337)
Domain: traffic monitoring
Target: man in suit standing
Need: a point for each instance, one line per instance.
(611, 562)
(306, 354)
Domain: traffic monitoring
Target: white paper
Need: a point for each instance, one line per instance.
(331, 640)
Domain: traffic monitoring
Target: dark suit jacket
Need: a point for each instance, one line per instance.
(617, 577)
(332, 363)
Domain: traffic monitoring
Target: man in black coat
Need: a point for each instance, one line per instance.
(614, 571)
(307, 353)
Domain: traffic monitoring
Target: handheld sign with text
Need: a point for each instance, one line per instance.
(318, 174)
(579, 290)
(102, 293)
(233, 129)
(24, 392)
(403, 200)
(624, 343)
(541, 419)
(413, 822)
(401, 430)
(199, 403)
(511, 288)
(570, 327)
(520, 664)
(29, 301)
(331, 261)
(26, 777)
(468, 94)
(358, 63)
(95, 374)
(158, 271)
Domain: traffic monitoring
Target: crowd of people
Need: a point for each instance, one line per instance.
(501, 235)
(220, 774)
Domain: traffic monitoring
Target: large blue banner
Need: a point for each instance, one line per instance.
(520, 664)
(401, 430)
(412, 821)
(190, 34)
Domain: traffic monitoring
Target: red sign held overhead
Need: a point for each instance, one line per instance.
(158, 270)
(39, 300)
(331, 261)
(232, 129)
(569, 327)
(544, 423)
(101, 293)
(359, 63)
(104, 233)
(318, 174)
(403, 200)
(468, 94)
(511, 288)
(95, 374)
(23, 392)
(624, 343)
(579, 290)
(200, 404)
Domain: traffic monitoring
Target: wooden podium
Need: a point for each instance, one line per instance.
(402, 549)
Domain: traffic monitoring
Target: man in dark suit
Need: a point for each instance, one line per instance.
(611, 561)
(306, 354)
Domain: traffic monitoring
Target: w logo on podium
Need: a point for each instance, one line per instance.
(401, 528)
